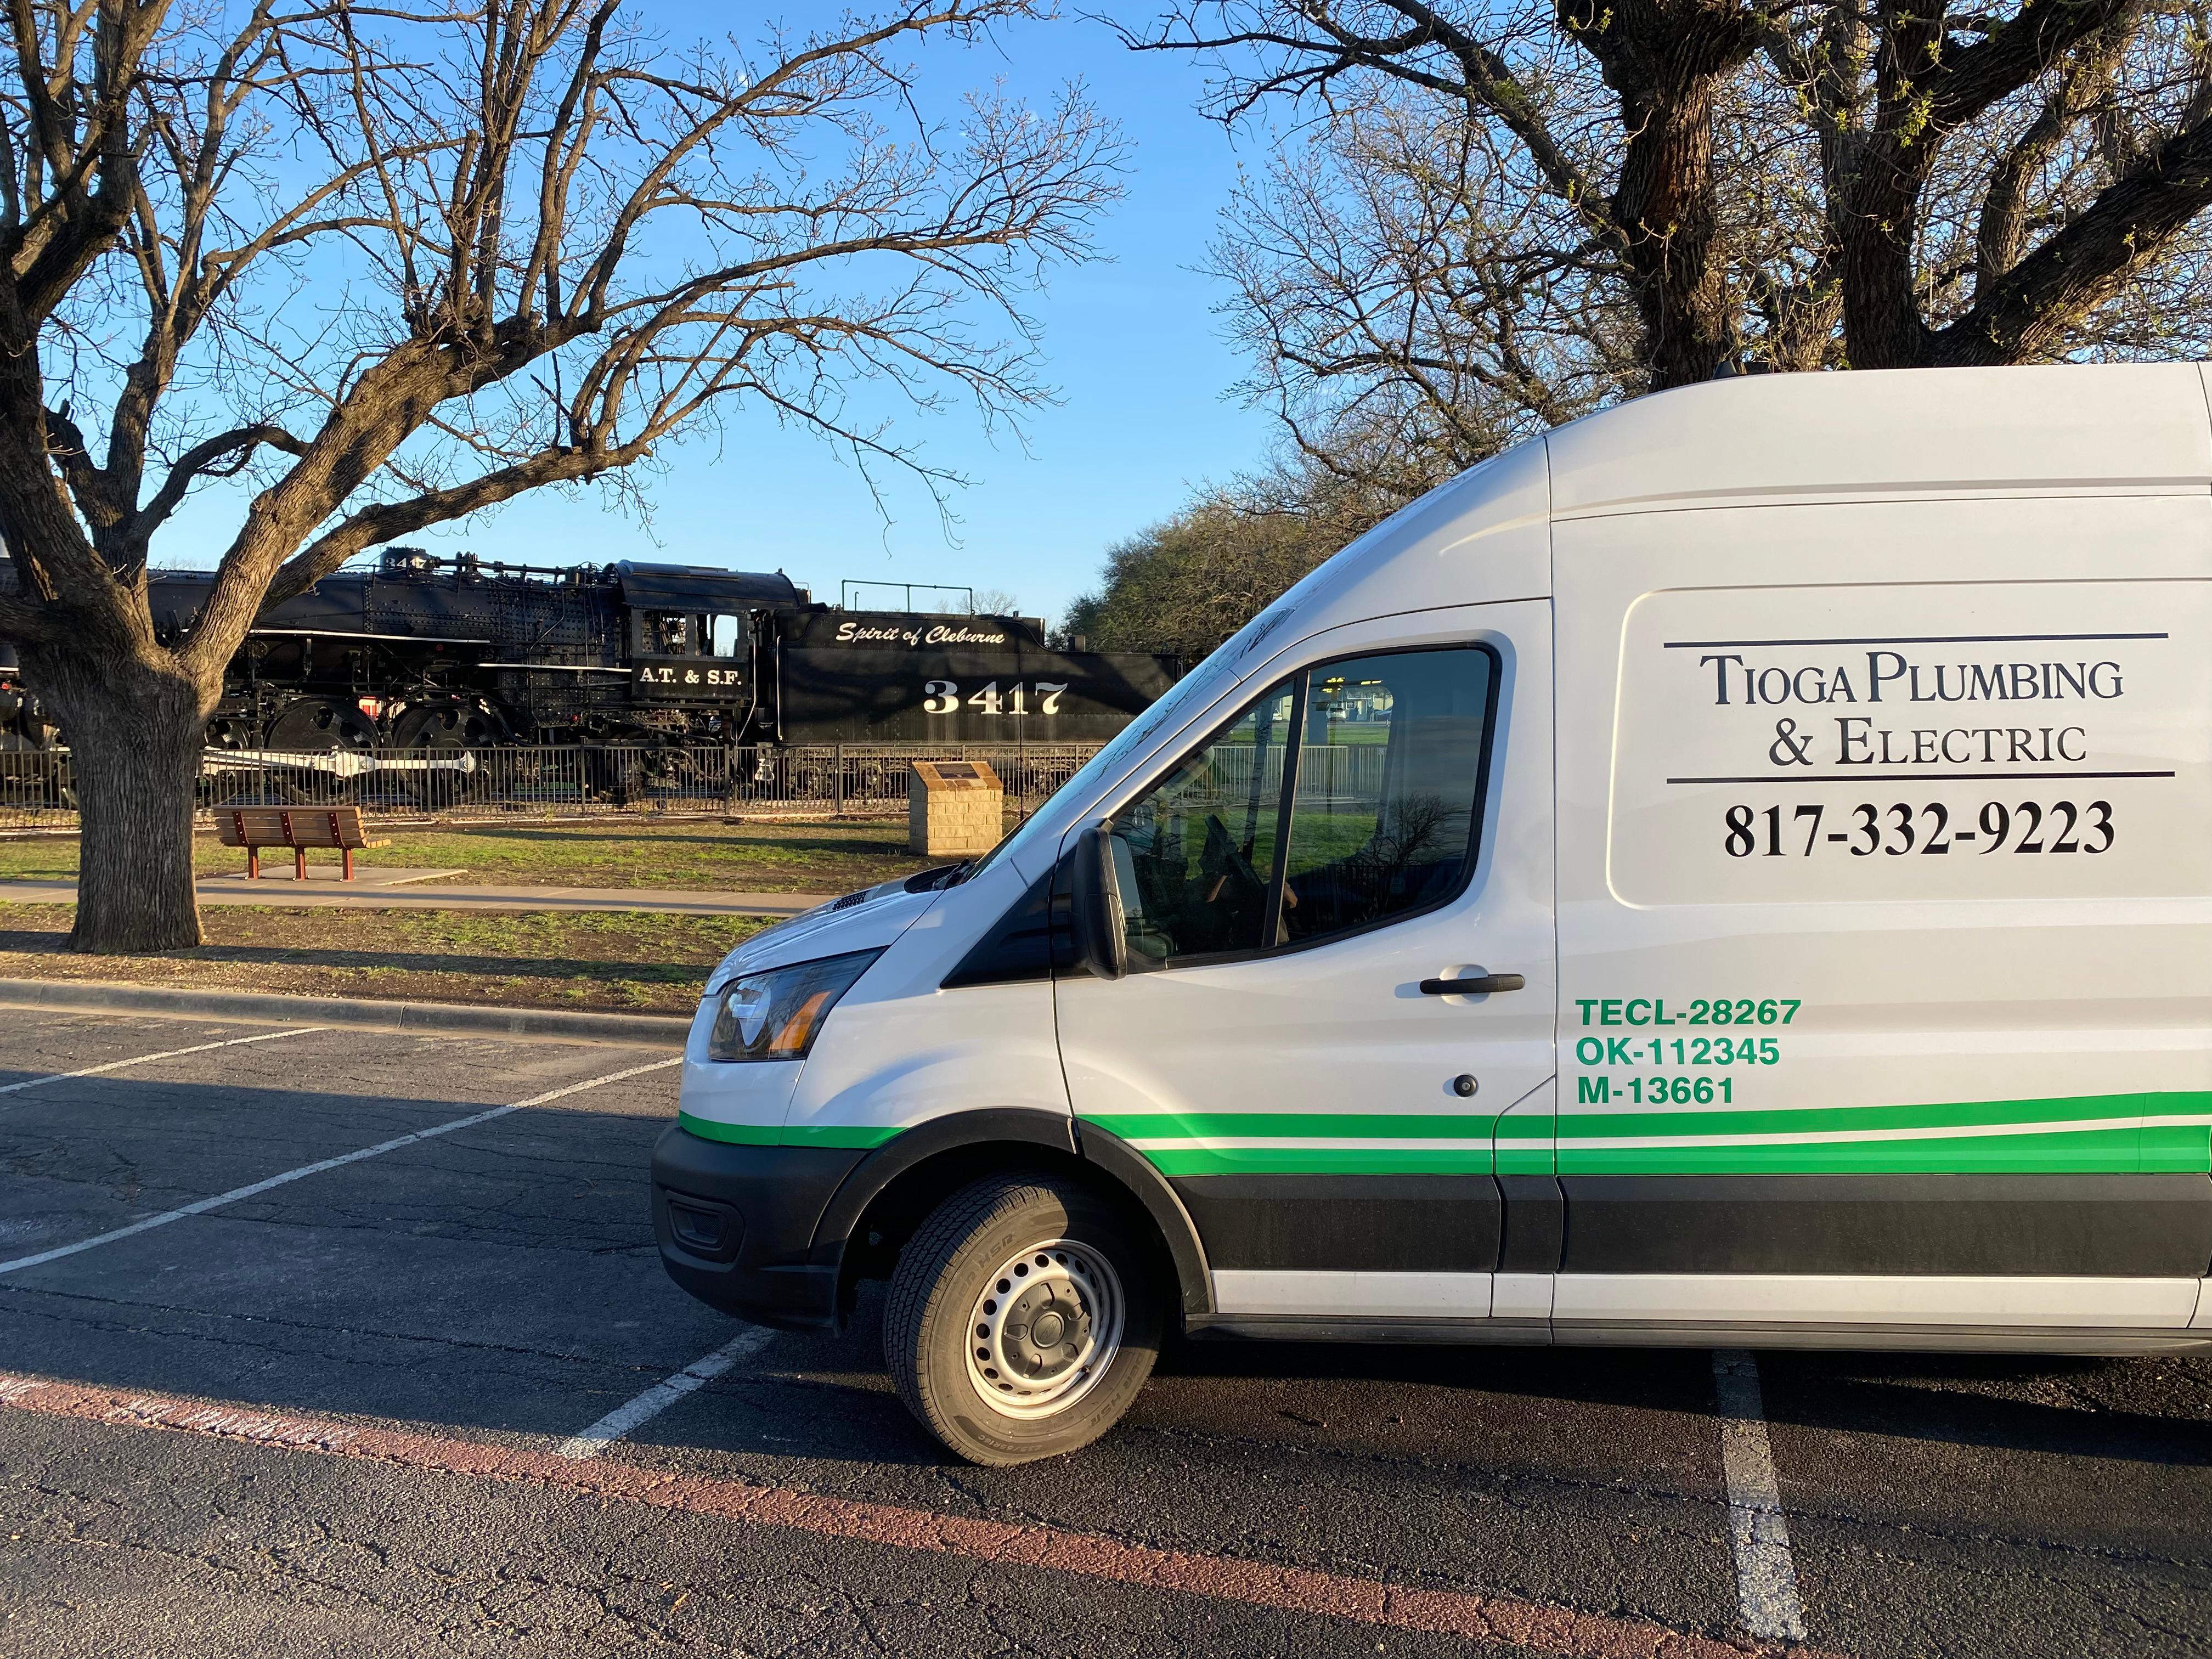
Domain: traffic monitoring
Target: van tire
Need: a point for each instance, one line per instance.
(945, 1274)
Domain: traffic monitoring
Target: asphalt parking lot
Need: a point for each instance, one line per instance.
(318, 1381)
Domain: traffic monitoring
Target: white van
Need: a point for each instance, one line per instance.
(1736, 869)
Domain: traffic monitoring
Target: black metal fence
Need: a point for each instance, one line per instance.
(38, 787)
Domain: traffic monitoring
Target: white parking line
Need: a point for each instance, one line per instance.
(1758, 1536)
(165, 1054)
(623, 1419)
(306, 1169)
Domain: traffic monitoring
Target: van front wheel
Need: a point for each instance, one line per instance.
(1022, 1318)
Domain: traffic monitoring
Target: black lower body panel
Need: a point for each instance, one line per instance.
(2118, 1226)
(1346, 1223)
(736, 1226)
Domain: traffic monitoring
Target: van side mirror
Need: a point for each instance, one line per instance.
(1102, 940)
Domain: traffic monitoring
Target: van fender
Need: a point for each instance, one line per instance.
(1133, 1170)
(1055, 1132)
(987, 1126)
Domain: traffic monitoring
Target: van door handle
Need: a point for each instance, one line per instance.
(1479, 985)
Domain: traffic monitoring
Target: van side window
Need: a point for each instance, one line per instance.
(1194, 858)
(1383, 820)
(1343, 796)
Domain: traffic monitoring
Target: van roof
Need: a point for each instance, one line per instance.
(1867, 433)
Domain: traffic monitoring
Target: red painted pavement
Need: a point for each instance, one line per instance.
(1541, 1627)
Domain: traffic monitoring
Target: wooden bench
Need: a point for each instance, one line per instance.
(296, 827)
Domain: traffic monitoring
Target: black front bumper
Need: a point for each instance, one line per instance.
(736, 1225)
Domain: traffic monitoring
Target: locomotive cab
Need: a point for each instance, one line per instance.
(693, 636)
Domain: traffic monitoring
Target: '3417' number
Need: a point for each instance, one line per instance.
(943, 697)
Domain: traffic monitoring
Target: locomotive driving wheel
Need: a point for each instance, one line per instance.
(449, 725)
(320, 726)
(445, 731)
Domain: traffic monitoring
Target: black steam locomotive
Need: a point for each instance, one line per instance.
(423, 654)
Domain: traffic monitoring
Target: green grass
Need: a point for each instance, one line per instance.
(778, 858)
(46, 858)
(704, 855)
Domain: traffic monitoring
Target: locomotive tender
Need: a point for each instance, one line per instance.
(426, 653)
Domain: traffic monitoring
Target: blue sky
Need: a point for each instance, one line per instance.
(1133, 343)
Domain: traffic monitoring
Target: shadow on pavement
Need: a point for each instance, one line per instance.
(506, 1278)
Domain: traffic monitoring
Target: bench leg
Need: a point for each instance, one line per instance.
(348, 864)
(253, 864)
(299, 864)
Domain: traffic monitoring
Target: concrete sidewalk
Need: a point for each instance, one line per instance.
(285, 893)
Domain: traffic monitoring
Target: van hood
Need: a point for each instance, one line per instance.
(868, 920)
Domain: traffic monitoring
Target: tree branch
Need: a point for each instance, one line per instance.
(1486, 82)
(202, 460)
(373, 525)
(27, 621)
(88, 484)
(1962, 85)
(2028, 311)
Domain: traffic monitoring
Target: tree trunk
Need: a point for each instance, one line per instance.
(1883, 325)
(1665, 203)
(134, 731)
(1666, 59)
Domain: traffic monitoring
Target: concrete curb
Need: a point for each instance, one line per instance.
(361, 1013)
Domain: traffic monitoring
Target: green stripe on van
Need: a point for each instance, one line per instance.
(2069, 1134)
(851, 1136)
(1198, 1160)
(854, 1137)
(1325, 1125)
(1843, 1122)
(735, 1134)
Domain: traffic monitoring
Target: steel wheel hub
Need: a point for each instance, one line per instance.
(1045, 1329)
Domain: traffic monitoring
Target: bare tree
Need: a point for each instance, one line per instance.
(1599, 114)
(1488, 216)
(2012, 188)
(401, 262)
(1689, 186)
(1394, 283)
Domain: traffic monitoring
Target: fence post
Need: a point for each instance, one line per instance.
(841, 781)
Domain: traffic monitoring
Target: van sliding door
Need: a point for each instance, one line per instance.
(1886, 901)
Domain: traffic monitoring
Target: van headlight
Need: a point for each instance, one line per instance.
(775, 1015)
